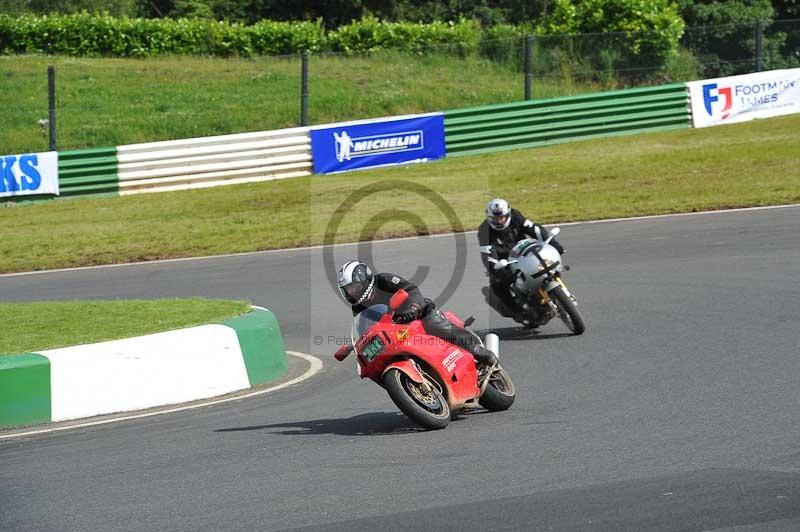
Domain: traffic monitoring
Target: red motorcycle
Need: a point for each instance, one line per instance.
(425, 376)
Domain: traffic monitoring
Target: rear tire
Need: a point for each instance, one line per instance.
(428, 409)
(568, 310)
(500, 392)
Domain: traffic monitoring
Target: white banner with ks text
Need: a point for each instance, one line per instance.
(741, 98)
(29, 174)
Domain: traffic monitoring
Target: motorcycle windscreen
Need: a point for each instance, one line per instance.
(526, 247)
(366, 319)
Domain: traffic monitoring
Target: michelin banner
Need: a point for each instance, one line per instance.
(29, 174)
(379, 142)
(741, 98)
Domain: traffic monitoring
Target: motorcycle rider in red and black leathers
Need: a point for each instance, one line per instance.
(362, 289)
(497, 235)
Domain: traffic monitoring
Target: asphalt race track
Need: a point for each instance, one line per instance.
(677, 410)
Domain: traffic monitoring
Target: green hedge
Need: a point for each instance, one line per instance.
(371, 34)
(102, 35)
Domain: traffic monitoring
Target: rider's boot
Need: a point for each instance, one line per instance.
(523, 317)
(484, 356)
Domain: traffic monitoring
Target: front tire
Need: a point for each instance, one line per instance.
(500, 392)
(427, 408)
(568, 311)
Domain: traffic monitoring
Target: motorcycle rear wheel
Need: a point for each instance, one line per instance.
(428, 409)
(500, 392)
(568, 311)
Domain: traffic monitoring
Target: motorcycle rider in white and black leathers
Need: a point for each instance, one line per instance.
(497, 235)
(362, 289)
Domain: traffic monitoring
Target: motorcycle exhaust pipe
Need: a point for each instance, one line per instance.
(492, 343)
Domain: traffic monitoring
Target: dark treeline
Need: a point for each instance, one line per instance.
(338, 12)
(334, 13)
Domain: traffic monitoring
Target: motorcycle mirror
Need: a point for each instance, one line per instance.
(342, 352)
(398, 299)
(553, 232)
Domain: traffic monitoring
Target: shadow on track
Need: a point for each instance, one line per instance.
(521, 333)
(372, 424)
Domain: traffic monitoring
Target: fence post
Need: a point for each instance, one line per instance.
(759, 37)
(51, 118)
(304, 89)
(528, 73)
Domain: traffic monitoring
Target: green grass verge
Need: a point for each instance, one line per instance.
(111, 102)
(754, 163)
(31, 327)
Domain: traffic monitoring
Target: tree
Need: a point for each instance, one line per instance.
(619, 34)
(723, 35)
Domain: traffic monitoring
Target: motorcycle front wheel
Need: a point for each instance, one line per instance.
(500, 392)
(425, 405)
(568, 310)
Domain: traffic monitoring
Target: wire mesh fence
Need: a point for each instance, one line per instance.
(742, 48)
(114, 101)
(623, 59)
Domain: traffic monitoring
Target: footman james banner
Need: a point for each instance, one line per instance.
(29, 174)
(740, 98)
(379, 142)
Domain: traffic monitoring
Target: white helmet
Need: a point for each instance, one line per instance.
(498, 214)
(355, 281)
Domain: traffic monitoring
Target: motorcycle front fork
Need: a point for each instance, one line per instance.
(544, 291)
(544, 299)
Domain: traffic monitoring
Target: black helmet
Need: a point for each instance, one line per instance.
(355, 281)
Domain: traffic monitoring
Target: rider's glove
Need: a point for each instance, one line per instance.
(500, 264)
(411, 314)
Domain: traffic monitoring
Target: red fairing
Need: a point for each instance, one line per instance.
(452, 317)
(408, 346)
(407, 367)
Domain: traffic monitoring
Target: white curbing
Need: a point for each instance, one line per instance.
(154, 370)
(314, 366)
(146, 371)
